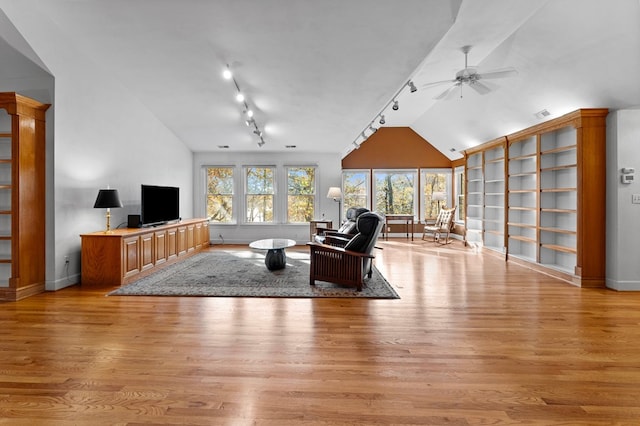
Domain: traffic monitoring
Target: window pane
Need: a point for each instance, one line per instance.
(300, 208)
(394, 192)
(434, 182)
(259, 208)
(220, 194)
(460, 189)
(354, 191)
(259, 193)
(301, 189)
(260, 180)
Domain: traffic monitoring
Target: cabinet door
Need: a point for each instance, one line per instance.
(182, 240)
(191, 238)
(160, 243)
(131, 253)
(146, 251)
(172, 243)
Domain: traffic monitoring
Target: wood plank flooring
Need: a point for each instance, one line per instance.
(472, 341)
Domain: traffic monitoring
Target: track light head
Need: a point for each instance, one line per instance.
(382, 120)
(355, 145)
(395, 106)
(248, 113)
(372, 129)
(261, 142)
(249, 121)
(240, 97)
(227, 74)
(412, 86)
(258, 132)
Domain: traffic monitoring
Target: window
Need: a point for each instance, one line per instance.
(394, 191)
(459, 193)
(259, 194)
(220, 194)
(301, 194)
(432, 181)
(355, 189)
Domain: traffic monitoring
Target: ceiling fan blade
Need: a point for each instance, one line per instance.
(435, 83)
(479, 87)
(447, 92)
(501, 73)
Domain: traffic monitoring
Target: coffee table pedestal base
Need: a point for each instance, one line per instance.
(275, 259)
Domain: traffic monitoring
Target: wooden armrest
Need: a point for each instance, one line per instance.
(336, 241)
(314, 246)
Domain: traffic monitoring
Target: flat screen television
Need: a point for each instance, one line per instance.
(159, 204)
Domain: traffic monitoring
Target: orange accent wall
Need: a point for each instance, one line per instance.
(395, 147)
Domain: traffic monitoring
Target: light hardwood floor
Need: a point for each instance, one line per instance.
(472, 341)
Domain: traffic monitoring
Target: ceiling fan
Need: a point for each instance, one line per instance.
(472, 78)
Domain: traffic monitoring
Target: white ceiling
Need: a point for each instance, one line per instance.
(317, 72)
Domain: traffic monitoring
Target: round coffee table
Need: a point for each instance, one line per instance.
(275, 258)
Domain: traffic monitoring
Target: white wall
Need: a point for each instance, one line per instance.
(329, 174)
(98, 135)
(623, 217)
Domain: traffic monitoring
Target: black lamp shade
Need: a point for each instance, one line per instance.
(107, 198)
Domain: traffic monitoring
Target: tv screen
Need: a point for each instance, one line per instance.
(160, 204)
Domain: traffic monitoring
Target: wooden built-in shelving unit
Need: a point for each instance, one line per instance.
(543, 196)
(22, 196)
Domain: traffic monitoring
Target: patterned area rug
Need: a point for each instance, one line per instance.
(242, 273)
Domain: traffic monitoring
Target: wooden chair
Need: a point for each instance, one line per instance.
(350, 264)
(348, 227)
(441, 228)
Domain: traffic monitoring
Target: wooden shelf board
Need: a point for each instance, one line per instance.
(493, 232)
(494, 180)
(5, 160)
(5, 260)
(5, 211)
(558, 149)
(556, 168)
(5, 135)
(495, 160)
(523, 157)
(558, 210)
(558, 230)
(557, 247)
(522, 174)
(5, 237)
(572, 189)
(474, 180)
(518, 208)
(522, 191)
(474, 167)
(521, 238)
(521, 225)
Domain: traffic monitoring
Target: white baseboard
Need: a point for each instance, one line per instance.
(623, 285)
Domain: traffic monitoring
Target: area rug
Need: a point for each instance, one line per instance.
(242, 273)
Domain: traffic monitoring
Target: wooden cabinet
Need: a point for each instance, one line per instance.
(554, 196)
(129, 254)
(22, 196)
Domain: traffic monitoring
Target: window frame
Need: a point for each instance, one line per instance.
(416, 199)
(314, 196)
(273, 194)
(447, 189)
(234, 194)
(367, 192)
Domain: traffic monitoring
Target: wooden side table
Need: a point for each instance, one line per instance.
(313, 226)
(406, 218)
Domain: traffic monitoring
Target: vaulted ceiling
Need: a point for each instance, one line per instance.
(317, 73)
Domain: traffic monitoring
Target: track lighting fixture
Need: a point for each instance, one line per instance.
(355, 145)
(394, 106)
(248, 113)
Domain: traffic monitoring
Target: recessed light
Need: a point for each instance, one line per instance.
(452, 149)
(290, 146)
(223, 146)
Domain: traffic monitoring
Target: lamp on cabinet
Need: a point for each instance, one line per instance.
(336, 194)
(107, 199)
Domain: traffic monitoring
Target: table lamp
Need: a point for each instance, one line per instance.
(336, 194)
(107, 198)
